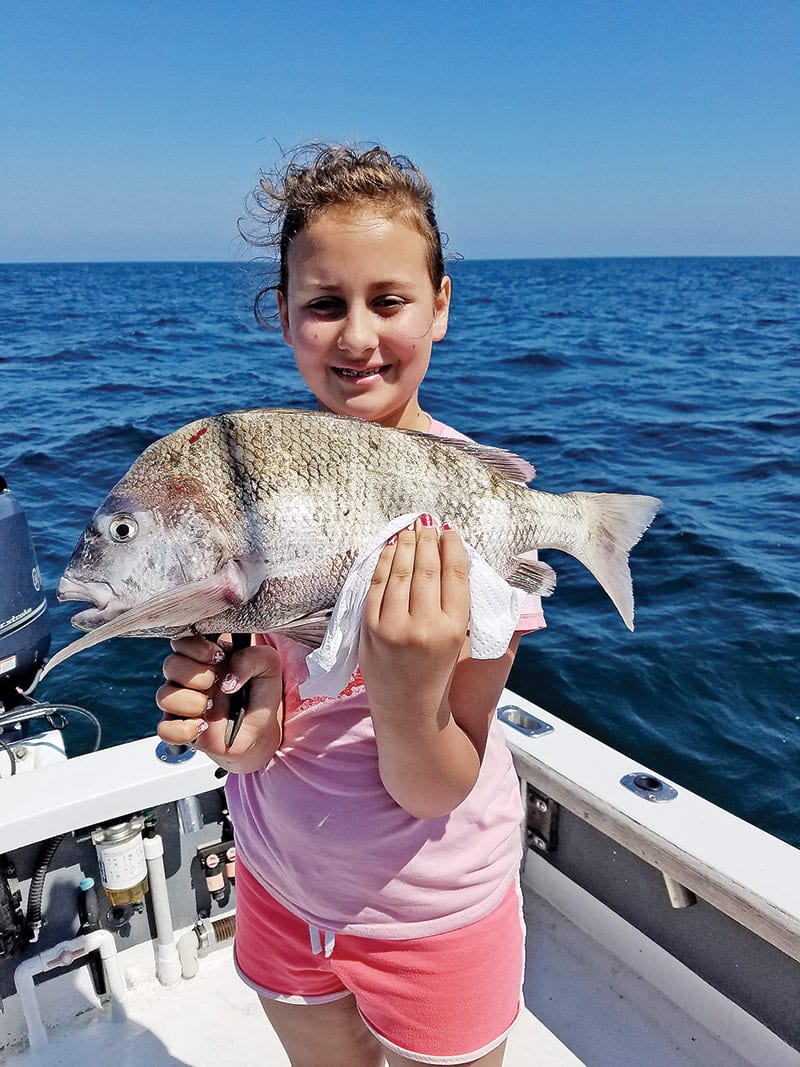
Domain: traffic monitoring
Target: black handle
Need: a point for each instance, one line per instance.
(237, 709)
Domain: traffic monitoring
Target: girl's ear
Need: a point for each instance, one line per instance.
(441, 309)
(283, 312)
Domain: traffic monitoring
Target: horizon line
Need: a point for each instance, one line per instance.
(453, 260)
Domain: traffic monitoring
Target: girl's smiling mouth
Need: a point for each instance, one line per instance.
(369, 372)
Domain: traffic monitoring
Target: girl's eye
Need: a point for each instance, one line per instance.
(390, 303)
(331, 307)
(325, 306)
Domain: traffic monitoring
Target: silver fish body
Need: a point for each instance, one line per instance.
(250, 521)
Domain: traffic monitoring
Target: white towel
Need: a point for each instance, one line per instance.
(494, 612)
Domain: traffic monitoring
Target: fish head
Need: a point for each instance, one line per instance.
(140, 544)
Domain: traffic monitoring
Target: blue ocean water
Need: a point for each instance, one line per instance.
(676, 377)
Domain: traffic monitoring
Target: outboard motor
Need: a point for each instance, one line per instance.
(24, 622)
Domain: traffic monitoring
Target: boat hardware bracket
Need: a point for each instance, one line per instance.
(541, 820)
(679, 895)
(523, 721)
(12, 919)
(649, 787)
(655, 790)
(168, 752)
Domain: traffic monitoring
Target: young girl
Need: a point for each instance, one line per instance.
(378, 911)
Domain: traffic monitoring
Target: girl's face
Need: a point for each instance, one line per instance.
(361, 314)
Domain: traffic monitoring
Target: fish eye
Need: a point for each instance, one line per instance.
(123, 528)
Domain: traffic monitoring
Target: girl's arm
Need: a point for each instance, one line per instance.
(475, 691)
(431, 704)
(196, 707)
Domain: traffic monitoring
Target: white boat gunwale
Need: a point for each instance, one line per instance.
(719, 857)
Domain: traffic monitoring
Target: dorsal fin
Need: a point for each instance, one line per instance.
(507, 464)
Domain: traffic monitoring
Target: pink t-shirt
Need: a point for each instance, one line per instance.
(319, 831)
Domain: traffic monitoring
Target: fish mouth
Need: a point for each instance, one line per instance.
(106, 605)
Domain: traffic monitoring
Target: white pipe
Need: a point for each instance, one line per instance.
(187, 952)
(114, 980)
(168, 966)
(62, 955)
(201, 938)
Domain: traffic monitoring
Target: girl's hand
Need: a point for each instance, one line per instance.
(413, 634)
(415, 620)
(200, 675)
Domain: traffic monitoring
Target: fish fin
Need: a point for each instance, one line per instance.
(507, 464)
(615, 523)
(235, 584)
(533, 576)
(308, 630)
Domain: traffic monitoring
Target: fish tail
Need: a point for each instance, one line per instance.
(614, 523)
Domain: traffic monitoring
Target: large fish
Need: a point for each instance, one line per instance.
(250, 521)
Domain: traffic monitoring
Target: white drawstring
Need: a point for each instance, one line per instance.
(318, 945)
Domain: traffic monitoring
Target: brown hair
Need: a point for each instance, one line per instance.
(317, 177)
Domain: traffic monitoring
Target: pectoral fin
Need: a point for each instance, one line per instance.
(309, 630)
(175, 609)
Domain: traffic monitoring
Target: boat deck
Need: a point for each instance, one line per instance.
(584, 1005)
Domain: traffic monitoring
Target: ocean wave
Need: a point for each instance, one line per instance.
(536, 358)
(70, 355)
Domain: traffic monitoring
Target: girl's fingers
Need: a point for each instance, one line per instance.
(373, 604)
(252, 664)
(199, 648)
(384, 565)
(418, 574)
(395, 581)
(188, 673)
(186, 703)
(182, 731)
(426, 586)
(455, 574)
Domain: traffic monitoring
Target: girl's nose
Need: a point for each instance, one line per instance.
(357, 334)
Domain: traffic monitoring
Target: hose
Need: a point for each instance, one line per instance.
(10, 753)
(35, 709)
(36, 890)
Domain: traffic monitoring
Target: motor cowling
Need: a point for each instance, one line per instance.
(24, 621)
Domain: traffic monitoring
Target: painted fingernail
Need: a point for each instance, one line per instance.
(229, 683)
(446, 526)
(218, 656)
(209, 704)
(426, 520)
(202, 726)
(392, 540)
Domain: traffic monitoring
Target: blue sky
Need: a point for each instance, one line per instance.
(134, 130)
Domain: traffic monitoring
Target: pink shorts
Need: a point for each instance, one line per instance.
(447, 998)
